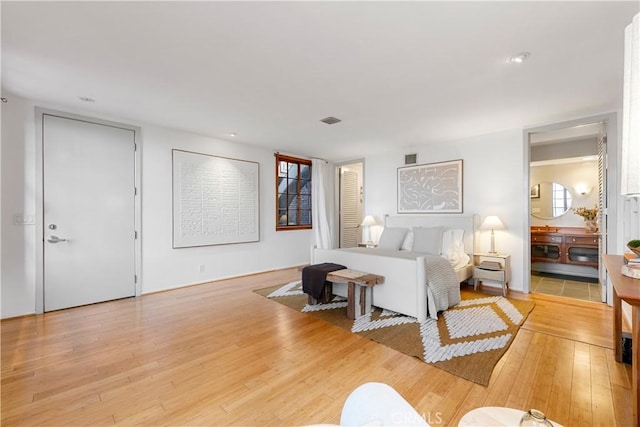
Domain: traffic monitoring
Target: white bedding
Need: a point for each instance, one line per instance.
(464, 272)
(459, 270)
(440, 283)
(415, 284)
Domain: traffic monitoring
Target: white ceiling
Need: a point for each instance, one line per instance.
(396, 73)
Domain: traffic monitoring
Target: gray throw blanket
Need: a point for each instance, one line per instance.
(443, 289)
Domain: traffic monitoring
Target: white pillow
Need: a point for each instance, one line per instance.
(453, 248)
(407, 244)
(446, 243)
(392, 238)
(452, 240)
(427, 240)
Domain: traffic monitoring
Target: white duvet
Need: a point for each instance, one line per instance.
(443, 288)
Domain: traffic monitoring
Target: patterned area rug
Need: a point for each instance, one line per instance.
(467, 340)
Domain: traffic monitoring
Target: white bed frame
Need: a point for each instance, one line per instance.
(404, 289)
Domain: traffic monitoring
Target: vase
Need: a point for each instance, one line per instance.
(590, 225)
(534, 418)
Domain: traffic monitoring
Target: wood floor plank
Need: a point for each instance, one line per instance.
(601, 394)
(219, 354)
(530, 360)
(542, 381)
(560, 394)
(581, 403)
(450, 403)
(500, 390)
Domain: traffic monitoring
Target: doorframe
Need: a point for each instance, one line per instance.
(39, 196)
(613, 216)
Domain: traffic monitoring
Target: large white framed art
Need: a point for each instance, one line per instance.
(215, 200)
(430, 188)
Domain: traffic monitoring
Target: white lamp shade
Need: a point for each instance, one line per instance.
(369, 221)
(492, 222)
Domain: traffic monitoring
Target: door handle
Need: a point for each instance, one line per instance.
(55, 239)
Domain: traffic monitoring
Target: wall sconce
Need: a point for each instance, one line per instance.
(582, 189)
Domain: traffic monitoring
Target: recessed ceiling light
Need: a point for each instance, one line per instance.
(86, 99)
(519, 58)
(232, 134)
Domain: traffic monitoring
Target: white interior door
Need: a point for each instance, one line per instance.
(88, 212)
(350, 209)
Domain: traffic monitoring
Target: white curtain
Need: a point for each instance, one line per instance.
(319, 185)
(630, 172)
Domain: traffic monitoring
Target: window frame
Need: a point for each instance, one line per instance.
(290, 159)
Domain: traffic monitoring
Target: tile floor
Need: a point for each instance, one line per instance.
(567, 288)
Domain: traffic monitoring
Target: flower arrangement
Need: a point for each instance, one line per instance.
(586, 214)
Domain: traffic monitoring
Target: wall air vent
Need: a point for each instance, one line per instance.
(410, 159)
(331, 120)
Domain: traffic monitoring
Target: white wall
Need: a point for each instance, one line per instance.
(18, 274)
(162, 266)
(492, 175)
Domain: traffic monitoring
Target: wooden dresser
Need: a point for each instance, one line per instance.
(628, 290)
(565, 245)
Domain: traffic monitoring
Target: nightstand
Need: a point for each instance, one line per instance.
(500, 273)
(367, 245)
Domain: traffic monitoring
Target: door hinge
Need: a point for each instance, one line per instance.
(135, 191)
(135, 278)
(135, 147)
(135, 234)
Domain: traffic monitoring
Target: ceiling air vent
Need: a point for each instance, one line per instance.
(331, 120)
(410, 159)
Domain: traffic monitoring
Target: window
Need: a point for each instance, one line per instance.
(293, 193)
(561, 199)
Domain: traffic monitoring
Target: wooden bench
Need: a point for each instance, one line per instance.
(359, 294)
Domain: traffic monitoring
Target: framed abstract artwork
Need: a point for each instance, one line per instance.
(430, 188)
(215, 200)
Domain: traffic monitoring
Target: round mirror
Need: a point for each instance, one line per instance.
(550, 200)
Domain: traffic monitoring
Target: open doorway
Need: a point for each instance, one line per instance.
(350, 203)
(568, 226)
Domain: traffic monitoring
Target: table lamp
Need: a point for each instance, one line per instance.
(492, 223)
(367, 222)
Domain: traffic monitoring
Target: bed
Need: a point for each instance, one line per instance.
(412, 274)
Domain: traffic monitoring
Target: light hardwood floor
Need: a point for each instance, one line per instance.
(218, 354)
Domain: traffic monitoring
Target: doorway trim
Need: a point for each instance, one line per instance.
(614, 217)
(39, 196)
